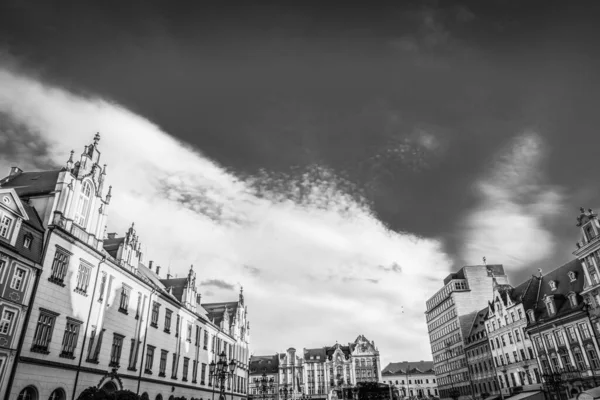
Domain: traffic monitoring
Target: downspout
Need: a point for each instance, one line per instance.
(38, 274)
(144, 345)
(87, 324)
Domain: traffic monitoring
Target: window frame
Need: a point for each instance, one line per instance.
(21, 281)
(10, 324)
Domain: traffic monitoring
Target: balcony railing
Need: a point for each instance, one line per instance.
(75, 230)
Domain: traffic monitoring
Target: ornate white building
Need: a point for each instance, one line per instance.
(101, 316)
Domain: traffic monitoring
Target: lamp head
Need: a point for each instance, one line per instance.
(232, 366)
(211, 367)
(223, 357)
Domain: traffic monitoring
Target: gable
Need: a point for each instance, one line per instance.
(11, 202)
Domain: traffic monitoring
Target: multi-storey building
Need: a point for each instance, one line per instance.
(290, 375)
(565, 343)
(512, 350)
(450, 313)
(100, 316)
(264, 368)
(482, 369)
(411, 378)
(21, 243)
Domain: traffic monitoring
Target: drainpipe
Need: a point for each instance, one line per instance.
(87, 325)
(144, 345)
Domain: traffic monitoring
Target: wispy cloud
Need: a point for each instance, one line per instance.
(514, 205)
(218, 283)
(305, 232)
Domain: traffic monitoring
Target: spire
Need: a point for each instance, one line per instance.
(241, 295)
(70, 161)
(96, 139)
(108, 195)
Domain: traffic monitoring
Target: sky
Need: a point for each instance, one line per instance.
(335, 161)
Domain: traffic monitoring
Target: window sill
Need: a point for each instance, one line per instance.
(189, 340)
(167, 331)
(81, 292)
(202, 383)
(161, 374)
(174, 377)
(194, 381)
(123, 311)
(92, 361)
(40, 350)
(183, 380)
(56, 281)
(152, 324)
(205, 348)
(114, 365)
(149, 372)
(134, 369)
(67, 355)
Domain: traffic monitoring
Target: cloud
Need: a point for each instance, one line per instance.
(392, 268)
(218, 284)
(508, 226)
(315, 239)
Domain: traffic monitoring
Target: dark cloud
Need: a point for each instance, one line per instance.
(218, 283)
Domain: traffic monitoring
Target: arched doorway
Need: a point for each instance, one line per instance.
(110, 387)
(29, 393)
(57, 394)
(159, 396)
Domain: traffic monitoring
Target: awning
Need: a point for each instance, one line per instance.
(523, 395)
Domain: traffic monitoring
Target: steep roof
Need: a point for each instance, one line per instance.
(318, 352)
(34, 219)
(478, 322)
(28, 184)
(564, 286)
(112, 245)
(214, 311)
(345, 349)
(177, 285)
(264, 364)
(413, 367)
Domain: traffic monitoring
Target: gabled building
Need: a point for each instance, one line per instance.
(263, 368)
(21, 244)
(560, 327)
(480, 359)
(511, 348)
(411, 378)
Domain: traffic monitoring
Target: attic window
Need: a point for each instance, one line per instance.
(27, 240)
(6, 200)
(550, 305)
(572, 276)
(552, 285)
(531, 316)
(572, 299)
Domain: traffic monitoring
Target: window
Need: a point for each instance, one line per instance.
(550, 306)
(593, 358)
(17, 280)
(163, 362)
(520, 312)
(139, 305)
(523, 356)
(589, 232)
(115, 352)
(2, 269)
(70, 337)
(94, 352)
(43, 331)
(560, 340)
(572, 276)
(197, 336)
(29, 393)
(189, 332)
(57, 394)
(186, 364)
(124, 303)
(83, 205)
(205, 340)
(27, 240)
(5, 224)
(585, 333)
(168, 314)
(102, 286)
(552, 285)
(571, 334)
(510, 338)
(579, 359)
(60, 265)
(573, 299)
(517, 336)
(149, 360)
(135, 344)
(83, 278)
(194, 371)
(174, 367)
(154, 319)
(6, 323)
(177, 327)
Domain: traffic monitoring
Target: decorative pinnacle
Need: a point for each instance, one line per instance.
(71, 156)
(96, 139)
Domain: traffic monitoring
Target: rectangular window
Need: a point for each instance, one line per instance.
(202, 373)
(17, 280)
(194, 371)
(168, 314)
(585, 333)
(133, 355)
(197, 336)
(189, 332)
(205, 340)
(523, 356)
(83, 278)
(186, 364)
(115, 352)
(139, 306)
(517, 336)
(6, 323)
(149, 360)
(579, 360)
(60, 264)
(43, 331)
(3, 269)
(163, 362)
(70, 338)
(593, 359)
(174, 367)
(124, 303)
(177, 327)
(560, 340)
(102, 287)
(94, 352)
(510, 338)
(5, 224)
(155, 311)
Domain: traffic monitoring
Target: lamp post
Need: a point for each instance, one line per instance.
(264, 385)
(553, 381)
(219, 374)
(285, 391)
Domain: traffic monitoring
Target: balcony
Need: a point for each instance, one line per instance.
(75, 230)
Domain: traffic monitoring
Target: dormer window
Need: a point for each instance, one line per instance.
(572, 276)
(552, 285)
(550, 305)
(83, 206)
(589, 232)
(572, 299)
(27, 240)
(530, 316)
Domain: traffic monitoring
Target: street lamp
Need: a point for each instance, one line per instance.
(264, 385)
(220, 372)
(553, 380)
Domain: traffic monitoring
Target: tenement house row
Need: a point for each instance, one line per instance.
(490, 338)
(81, 308)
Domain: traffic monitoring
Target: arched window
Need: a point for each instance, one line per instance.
(145, 396)
(83, 205)
(29, 393)
(158, 397)
(57, 394)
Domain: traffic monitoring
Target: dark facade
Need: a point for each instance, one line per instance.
(479, 358)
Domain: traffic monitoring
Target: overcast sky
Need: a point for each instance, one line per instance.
(338, 162)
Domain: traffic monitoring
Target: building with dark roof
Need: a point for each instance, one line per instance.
(412, 378)
(450, 314)
(480, 360)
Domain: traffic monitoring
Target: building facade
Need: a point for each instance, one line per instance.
(101, 316)
(480, 360)
(412, 379)
(263, 383)
(21, 244)
(512, 350)
(449, 314)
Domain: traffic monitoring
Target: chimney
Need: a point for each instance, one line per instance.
(157, 270)
(15, 171)
(150, 265)
(168, 275)
(112, 235)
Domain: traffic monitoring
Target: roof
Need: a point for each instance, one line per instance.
(262, 364)
(319, 352)
(215, 310)
(345, 349)
(34, 219)
(147, 273)
(32, 183)
(112, 245)
(412, 367)
(479, 322)
(564, 286)
(177, 285)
